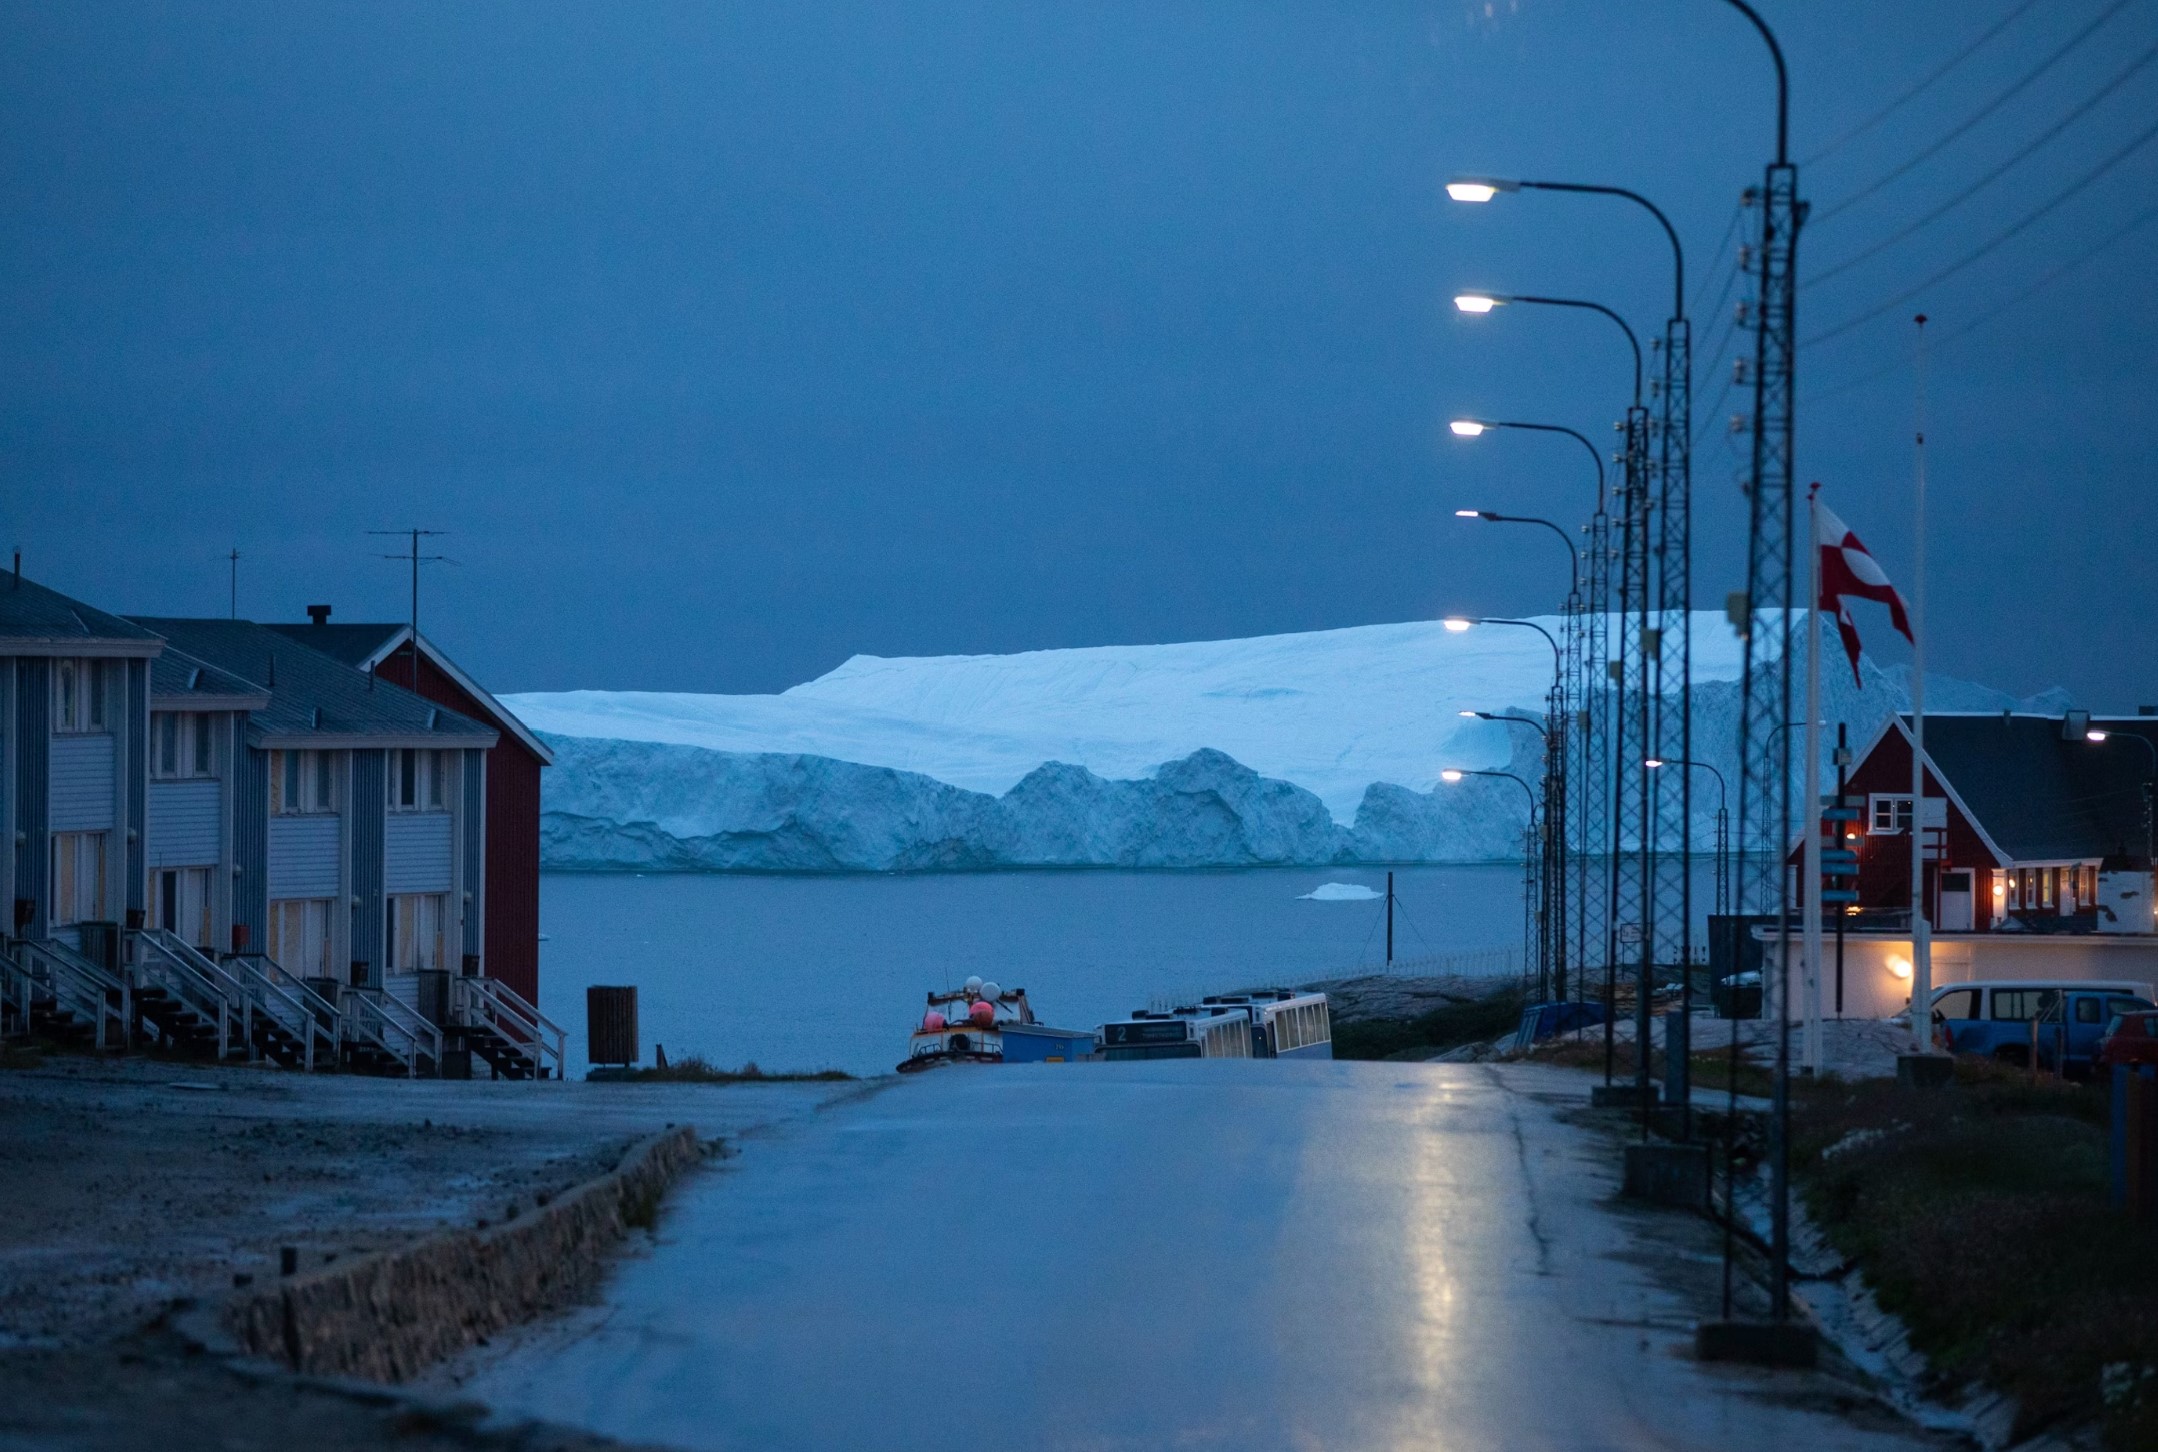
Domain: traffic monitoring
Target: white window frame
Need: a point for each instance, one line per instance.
(1900, 809)
(192, 737)
(79, 707)
(180, 903)
(301, 940)
(312, 790)
(416, 931)
(433, 779)
(81, 878)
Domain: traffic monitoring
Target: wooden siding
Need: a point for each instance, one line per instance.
(138, 783)
(251, 845)
(509, 897)
(82, 784)
(1884, 863)
(33, 798)
(369, 789)
(416, 852)
(186, 823)
(472, 782)
(304, 853)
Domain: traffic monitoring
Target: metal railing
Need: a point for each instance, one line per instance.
(197, 983)
(58, 974)
(370, 1016)
(491, 1004)
(286, 1001)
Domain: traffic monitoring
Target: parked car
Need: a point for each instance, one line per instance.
(2131, 1039)
(2065, 1019)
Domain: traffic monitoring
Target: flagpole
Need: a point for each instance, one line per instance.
(1921, 925)
(1811, 896)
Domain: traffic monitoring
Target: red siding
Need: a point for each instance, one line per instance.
(1884, 864)
(513, 826)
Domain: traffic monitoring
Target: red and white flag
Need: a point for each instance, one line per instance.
(1849, 571)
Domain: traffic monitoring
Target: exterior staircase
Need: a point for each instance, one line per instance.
(50, 990)
(511, 1035)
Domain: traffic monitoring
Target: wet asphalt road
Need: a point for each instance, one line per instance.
(1191, 1255)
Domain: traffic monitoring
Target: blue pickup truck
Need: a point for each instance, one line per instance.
(2004, 1020)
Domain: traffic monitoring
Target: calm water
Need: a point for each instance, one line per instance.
(829, 972)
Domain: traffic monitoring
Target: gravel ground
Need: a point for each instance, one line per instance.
(131, 1184)
(136, 1189)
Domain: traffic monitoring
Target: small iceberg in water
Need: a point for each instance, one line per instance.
(1341, 892)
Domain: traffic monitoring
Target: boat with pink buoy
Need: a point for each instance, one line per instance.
(985, 1023)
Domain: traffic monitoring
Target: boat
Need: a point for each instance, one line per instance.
(983, 1023)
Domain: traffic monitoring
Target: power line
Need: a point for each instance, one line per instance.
(1982, 113)
(1994, 175)
(2074, 188)
(1914, 92)
(1737, 214)
(2141, 219)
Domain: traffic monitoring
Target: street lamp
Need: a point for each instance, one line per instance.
(1536, 921)
(1479, 303)
(1489, 517)
(1723, 870)
(1459, 623)
(2099, 738)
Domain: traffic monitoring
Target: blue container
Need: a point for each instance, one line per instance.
(1033, 1043)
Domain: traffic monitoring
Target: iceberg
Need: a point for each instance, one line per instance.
(1310, 749)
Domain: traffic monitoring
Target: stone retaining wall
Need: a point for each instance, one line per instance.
(389, 1316)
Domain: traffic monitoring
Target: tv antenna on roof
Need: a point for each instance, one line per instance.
(234, 559)
(416, 559)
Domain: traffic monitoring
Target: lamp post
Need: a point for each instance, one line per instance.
(1587, 642)
(1553, 841)
(2100, 737)
(1552, 933)
(1536, 922)
(1665, 824)
(1723, 868)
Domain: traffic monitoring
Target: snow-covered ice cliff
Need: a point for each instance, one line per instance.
(1322, 747)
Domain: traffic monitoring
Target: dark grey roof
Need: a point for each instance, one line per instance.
(312, 694)
(2042, 798)
(176, 675)
(353, 644)
(46, 622)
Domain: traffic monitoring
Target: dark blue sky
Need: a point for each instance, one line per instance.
(725, 340)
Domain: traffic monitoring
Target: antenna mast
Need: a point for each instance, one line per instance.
(416, 559)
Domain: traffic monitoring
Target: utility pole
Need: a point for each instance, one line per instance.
(416, 559)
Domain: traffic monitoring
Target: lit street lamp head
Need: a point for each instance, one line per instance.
(1478, 302)
(1472, 714)
(1479, 188)
(1457, 623)
(1449, 775)
(1467, 428)
(2094, 736)
(1468, 514)
(1653, 762)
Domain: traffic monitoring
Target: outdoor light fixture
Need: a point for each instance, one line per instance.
(1449, 775)
(1477, 302)
(1479, 188)
(1653, 762)
(1456, 623)
(2094, 736)
(1470, 714)
(1900, 967)
(1467, 428)
(1468, 514)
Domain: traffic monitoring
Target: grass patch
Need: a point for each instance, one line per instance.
(1446, 1027)
(697, 1069)
(1980, 1216)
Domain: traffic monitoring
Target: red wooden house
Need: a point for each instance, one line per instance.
(2031, 823)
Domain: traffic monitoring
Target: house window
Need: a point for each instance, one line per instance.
(180, 745)
(302, 782)
(1891, 813)
(78, 697)
(419, 780)
(78, 878)
(300, 935)
(415, 927)
(181, 901)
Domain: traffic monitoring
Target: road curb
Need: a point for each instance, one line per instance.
(389, 1316)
